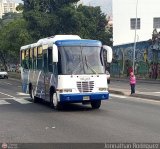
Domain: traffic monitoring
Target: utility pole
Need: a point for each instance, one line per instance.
(135, 39)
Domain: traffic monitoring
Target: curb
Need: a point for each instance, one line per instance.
(118, 92)
(151, 97)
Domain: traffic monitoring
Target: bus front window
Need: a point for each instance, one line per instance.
(81, 60)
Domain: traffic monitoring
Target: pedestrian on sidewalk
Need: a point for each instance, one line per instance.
(132, 82)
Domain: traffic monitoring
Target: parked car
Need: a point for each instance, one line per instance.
(108, 77)
(3, 74)
(12, 68)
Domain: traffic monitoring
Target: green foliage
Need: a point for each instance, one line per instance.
(13, 36)
(9, 17)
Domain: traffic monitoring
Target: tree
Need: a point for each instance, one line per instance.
(9, 17)
(94, 24)
(13, 36)
(46, 18)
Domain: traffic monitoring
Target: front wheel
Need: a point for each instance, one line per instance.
(54, 102)
(96, 104)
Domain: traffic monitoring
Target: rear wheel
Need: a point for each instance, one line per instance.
(31, 92)
(96, 104)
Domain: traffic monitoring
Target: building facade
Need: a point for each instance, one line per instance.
(136, 21)
(7, 6)
(124, 18)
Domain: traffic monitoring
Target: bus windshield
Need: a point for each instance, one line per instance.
(81, 60)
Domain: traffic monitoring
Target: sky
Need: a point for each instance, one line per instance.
(106, 5)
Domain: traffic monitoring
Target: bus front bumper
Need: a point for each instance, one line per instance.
(81, 97)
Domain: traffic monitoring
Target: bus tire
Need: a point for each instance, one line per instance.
(54, 102)
(34, 99)
(96, 104)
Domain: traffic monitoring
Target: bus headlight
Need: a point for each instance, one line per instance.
(103, 89)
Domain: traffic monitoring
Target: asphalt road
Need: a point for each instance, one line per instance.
(121, 119)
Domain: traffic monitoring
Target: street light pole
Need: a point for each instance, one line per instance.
(135, 38)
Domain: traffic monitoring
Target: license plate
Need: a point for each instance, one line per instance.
(86, 98)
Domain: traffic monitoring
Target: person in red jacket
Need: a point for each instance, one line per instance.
(132, 82)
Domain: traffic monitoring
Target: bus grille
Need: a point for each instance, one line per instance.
(85, 86)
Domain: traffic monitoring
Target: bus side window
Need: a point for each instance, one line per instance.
(50, 62)
(26, 59)
(45, 61)
(30, 60)
(34, 58)
(39, 58)
(59, 63)
(22, 59)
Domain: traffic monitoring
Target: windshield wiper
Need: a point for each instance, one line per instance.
(88, 65)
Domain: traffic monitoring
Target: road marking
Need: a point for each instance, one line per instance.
(7, 95)
(3, 102)
(118, 96)
(5, 98)
(157, 92)
(136, 99)
(22, 94)
(7, 83)
(22, 101)
(152, 101)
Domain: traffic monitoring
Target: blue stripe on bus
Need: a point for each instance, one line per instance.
(78, 43)
(78, 97)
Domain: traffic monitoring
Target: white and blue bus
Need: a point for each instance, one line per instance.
(65, 69)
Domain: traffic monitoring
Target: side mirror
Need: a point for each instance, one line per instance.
(109, 53)
(55, 53)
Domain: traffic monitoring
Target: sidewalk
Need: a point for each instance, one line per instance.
(147, 89)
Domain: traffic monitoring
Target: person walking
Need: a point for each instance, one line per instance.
(132, 82)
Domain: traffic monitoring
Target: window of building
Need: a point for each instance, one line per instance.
(133, 23)
(156, 22)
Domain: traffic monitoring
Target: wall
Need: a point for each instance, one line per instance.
(145, 58)
(123, 10)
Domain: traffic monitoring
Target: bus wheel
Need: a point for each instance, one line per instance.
(54, 102)
(34, 99)
(96, 104)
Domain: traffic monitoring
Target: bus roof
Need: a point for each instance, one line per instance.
(83, 42)
(25, 47)
(55, 38)
(50, 40)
